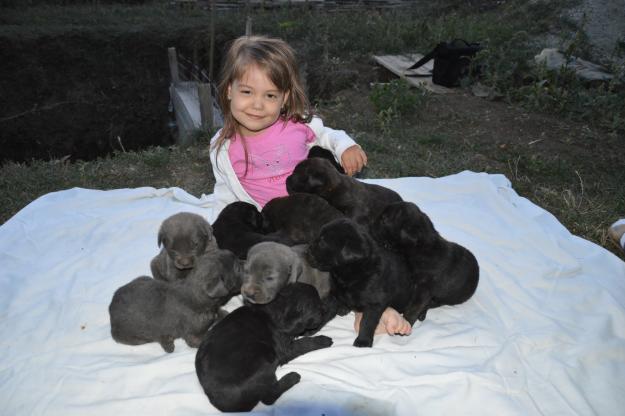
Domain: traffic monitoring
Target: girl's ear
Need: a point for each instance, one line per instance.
(286, 98)
(229, 91)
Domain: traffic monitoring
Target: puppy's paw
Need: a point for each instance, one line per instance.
(342, 310)
(323, 341)
(168, 344)
(290, 379)
(363, 342)
(193, 341)
(422, 315)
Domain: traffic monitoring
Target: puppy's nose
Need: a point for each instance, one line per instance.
(184, 262)
(250, 292)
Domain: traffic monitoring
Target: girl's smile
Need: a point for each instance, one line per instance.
(255, 101)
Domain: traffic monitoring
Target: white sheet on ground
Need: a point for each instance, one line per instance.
(543, 335)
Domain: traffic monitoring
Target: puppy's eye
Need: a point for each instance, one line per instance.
(269, 279)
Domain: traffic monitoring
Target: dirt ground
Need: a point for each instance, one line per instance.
(497, 126)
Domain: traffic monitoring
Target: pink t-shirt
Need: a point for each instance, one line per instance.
(272, 156)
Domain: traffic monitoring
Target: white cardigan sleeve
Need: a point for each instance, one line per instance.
(227, 188)
(337, 141)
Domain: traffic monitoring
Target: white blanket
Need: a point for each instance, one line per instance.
(544, 333)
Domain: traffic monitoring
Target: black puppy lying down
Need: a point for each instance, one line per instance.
(358, 200)
(298, 217)
(447, 273)
(237, 360)
(239, 226)
(149, 310)
(367, 278)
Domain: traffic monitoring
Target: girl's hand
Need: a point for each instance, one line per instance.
(353, 159)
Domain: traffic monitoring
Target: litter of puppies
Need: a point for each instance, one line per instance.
(334, 245)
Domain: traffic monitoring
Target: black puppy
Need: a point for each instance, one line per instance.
(317, 151)
(150, 310)
(237, 360)
(298, 217)
(359, 201)
(239, 226)
(446, 273)
(367, 278)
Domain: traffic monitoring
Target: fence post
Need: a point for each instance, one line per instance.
(173, 65)
(248, 26)
(212, 42)
(248, 19)
(206, 106)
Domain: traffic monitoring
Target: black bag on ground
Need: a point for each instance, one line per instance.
(451, 61)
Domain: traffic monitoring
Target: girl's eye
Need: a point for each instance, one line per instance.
(272, 96)
(245, 92)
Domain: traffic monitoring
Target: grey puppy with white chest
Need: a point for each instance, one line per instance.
(184, 236)
(270, 266)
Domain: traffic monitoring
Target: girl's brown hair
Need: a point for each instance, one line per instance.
(277, 58)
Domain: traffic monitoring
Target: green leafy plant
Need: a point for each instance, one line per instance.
(394, 100)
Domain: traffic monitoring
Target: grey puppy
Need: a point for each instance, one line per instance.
(270, 266)
(149, 310)
(184, 236)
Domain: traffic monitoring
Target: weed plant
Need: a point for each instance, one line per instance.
(394, 100)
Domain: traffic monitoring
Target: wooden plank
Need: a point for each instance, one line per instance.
(173, 65)
(206, 105)
(399, 64)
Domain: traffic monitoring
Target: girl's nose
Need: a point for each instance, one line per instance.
(257, 103)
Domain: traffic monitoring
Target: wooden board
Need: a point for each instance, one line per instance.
(399, 64)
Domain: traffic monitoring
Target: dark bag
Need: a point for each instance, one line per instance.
(451, 61)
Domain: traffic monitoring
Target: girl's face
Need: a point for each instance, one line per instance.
(255, 101)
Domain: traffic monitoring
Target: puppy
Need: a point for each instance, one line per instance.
(366, 278)
(447, 273)
(149, 310)
(318, 151)
(298, 217)
(270, 266)
(237, 360)
(239, 226)
(184, 237)
(359, 201)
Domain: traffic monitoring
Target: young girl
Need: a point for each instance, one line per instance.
(268, 129)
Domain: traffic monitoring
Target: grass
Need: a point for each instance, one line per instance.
(569, 167)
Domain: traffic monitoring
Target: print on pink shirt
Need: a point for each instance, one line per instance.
(272, 162)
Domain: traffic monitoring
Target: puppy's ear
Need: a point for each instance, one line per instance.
(291, 319)
(296, 269)
(408, 239)
(232, 279)
(161, 237)
(207, 234)
(267, 227)
(303, 312)
(359, 248)
(254, 219)
(217, 289)
(316, 182)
